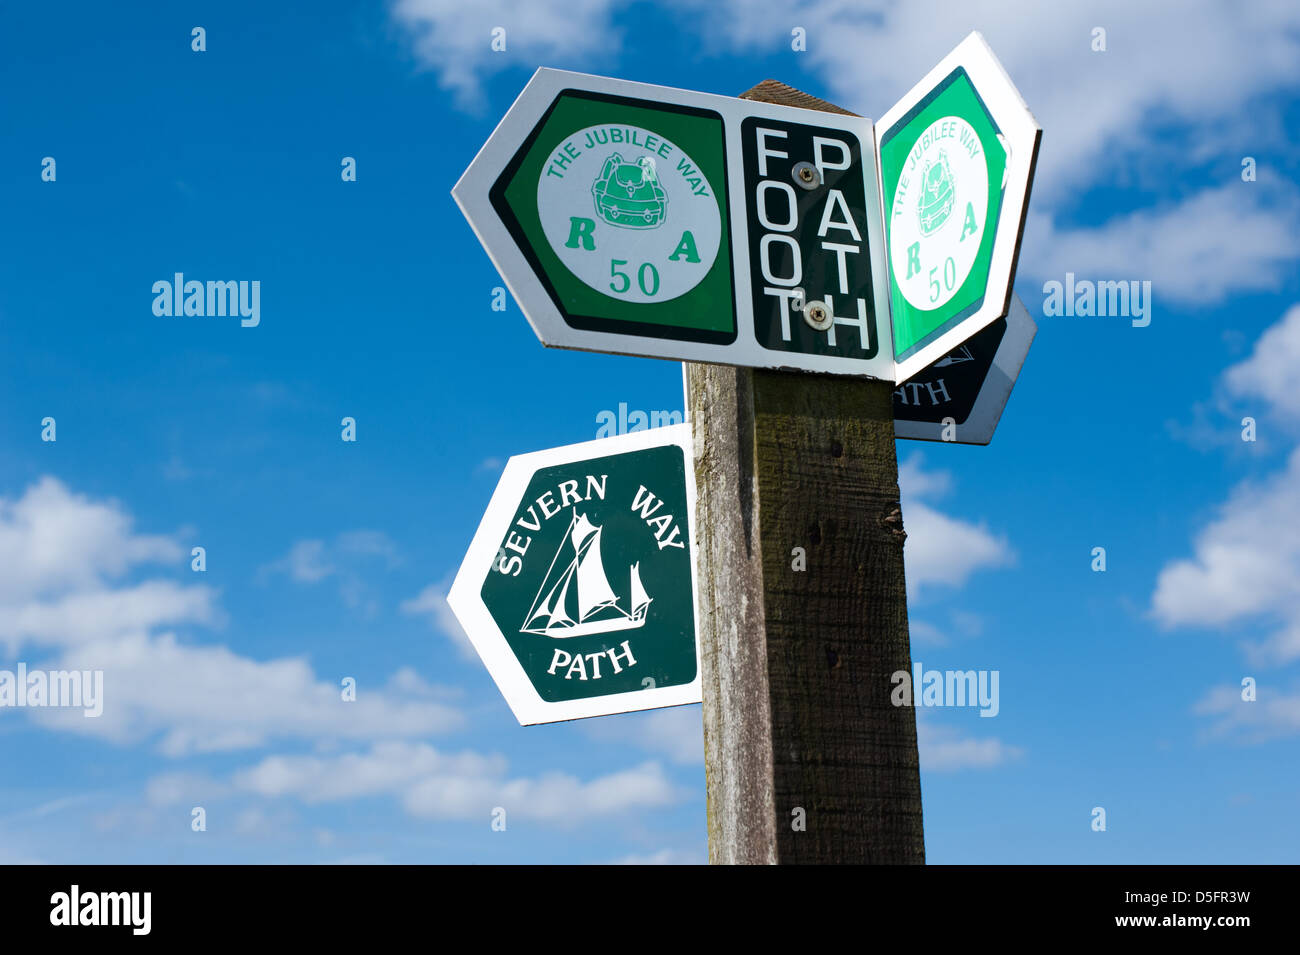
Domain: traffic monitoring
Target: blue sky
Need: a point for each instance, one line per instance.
(328, 560)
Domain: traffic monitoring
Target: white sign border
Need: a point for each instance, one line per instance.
(1018, 125)
(985, 414)
(471, 193)
(466, 601)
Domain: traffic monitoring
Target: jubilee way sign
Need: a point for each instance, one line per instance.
(957, 157)
(960, 397)
(644, 220)
(579, 588)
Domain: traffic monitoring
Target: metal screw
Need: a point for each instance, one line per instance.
(806, 175)
(817, 315)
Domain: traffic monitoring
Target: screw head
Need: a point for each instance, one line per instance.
(817, 315)
(805, 175)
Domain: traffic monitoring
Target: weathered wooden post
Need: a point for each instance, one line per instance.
(807, 760)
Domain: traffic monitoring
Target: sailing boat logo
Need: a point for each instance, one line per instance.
(581, 601)
(955, 358)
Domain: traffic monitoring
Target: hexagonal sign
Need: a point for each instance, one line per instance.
(957, 157)
(643, 220)
(578, 590)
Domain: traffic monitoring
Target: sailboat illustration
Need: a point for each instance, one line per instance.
(960, 355)
(580, 601)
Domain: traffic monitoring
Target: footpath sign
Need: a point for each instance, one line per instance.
(957, 157)
(644, 220)
(579, 588)
(960, 397)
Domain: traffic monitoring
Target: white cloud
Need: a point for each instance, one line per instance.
(676, 732)
(942, 550)
(944, 749)
(1233, 238)
(52, 539)
(198, 699)
(431, 603)
(916, 482)
(306, 562)
(462, 786)
(454, 39)
(59, 555)
(1246, 565)
(1270, 372)
(1167, 65)
(312, 561)
(88, 615)
(1245, 568)
(1271, 715)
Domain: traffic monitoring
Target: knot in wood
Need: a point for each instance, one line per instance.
(894, 523)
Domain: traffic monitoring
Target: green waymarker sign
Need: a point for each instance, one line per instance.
(615, 206)
(643, 220)
(942, 166)
(956, 160)
(578, 590)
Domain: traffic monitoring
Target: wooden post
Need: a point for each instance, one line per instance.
(806, 759)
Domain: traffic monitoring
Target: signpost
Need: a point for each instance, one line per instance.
(755, 239)
(957, 157)
(961, 396)
(578, 590)
(644, 220)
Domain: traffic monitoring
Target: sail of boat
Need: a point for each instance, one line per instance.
(640, 600)
(581, 601)
(594, 591)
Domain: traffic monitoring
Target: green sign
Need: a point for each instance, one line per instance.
(942, 170)
(641, 220)
(578, 590)
(957, 157)
(620, 206)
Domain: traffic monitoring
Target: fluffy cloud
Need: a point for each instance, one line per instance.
(1246, 565)
(1270, 372)
(1246, 562)
(1271, 715)
(942, 550)
(431, 604)
(61, 559)
(945, 749)
(676, 732)
(341, 560)
(197, 699)
(454, 39)
(434, 785)
(1233, 238)
(54, 540)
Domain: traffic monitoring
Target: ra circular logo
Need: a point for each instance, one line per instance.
(938, 213)
(630, 213)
